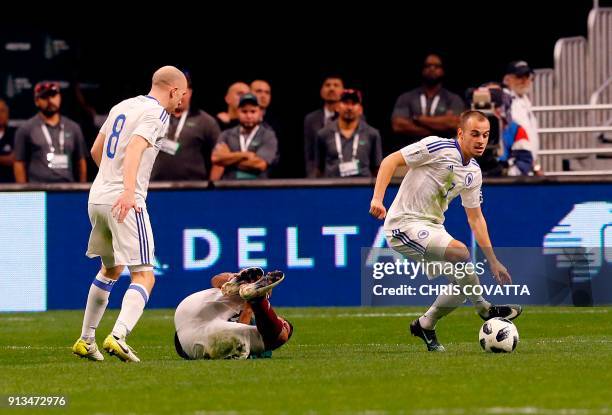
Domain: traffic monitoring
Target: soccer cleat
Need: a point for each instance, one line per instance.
(88, 350)
(509, 311)
(246, 276)
(119, 348)
(262, 286)
(428, 336)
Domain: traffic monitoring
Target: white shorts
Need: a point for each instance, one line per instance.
(204, 332)
(420, 241)
(128, 243)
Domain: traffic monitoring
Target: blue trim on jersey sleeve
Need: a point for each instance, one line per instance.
(441, 148)
(437, 143)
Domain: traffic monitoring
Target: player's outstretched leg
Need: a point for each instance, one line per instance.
(132, 307)
(97, 300)
(245, 276)
(262, 286)
(275, 331)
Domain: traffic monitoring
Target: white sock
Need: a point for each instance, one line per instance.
(478, 301)
(97, 300)
(443, 305)
(133, 305)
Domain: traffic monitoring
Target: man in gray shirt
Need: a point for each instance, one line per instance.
(48, 145)
(348, 147)
(427, 110)
(331, 90)
(185, 152)
(246, 151)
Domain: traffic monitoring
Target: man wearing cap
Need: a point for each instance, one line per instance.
(48, 146)
(185, 151)
(427, 110)
(348, 147)
(229, 118)
(247, 150)
(518, 79)
(331, 90)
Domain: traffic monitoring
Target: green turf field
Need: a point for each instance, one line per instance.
(340, 360)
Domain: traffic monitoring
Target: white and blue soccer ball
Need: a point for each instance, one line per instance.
(498, 335)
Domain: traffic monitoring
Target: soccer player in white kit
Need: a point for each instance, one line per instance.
(439, 170)
(125, 150)
(214, 323)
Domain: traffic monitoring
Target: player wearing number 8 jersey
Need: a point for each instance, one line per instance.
(121, 235)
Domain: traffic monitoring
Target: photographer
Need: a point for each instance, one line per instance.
(508, 152)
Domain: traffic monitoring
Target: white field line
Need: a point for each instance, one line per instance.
(527, 311)
(22, 347)
(525, 410)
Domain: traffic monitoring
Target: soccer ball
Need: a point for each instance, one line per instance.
(498, 335)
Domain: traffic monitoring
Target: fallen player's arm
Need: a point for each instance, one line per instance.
(96, 149)
(223, 156)
(385, 172)
(218, 280)
(478, 224)
(246, 314)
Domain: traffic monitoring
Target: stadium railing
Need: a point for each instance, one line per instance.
(572, 124)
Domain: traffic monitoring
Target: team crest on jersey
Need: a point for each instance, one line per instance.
(469, 178)
(422, 234)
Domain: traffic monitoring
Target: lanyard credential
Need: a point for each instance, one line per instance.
(45, 131)
(434, 105)
(339, 146)
(245, 142)
(181, 124)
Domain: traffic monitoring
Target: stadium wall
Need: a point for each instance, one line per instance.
(314, 231)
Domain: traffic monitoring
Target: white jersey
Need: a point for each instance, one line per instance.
(437, 175)
(143, 116)
(203, 329)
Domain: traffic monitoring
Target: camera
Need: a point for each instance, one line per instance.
(489, 100)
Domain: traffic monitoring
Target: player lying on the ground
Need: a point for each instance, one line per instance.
(204, 329)
(440, 169)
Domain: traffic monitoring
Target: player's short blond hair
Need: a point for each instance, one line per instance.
(168, 76)
(469, 114)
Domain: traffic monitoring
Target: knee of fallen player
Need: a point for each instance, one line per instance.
(282, 338)
(218, 280)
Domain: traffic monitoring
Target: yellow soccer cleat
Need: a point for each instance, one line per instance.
(119, 348)
(88, 350)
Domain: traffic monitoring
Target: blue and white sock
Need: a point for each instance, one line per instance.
(134, 302)
(97, 300)
(444, 304)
